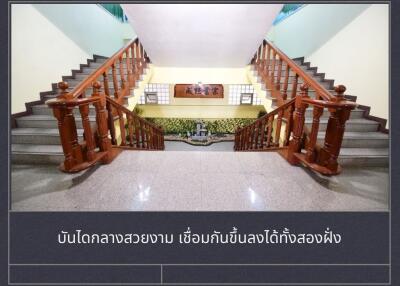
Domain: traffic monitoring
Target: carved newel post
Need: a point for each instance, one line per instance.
(334, 132)
(67, 129)
(298, 124)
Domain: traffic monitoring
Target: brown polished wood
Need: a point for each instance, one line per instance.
(100, 141)
(290, 115)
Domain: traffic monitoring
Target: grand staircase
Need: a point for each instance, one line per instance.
(85, 117)
(310, 121)
(365, 141)
(36, 138)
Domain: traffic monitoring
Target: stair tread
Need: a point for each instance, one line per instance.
(39, 131)
(46, 117)
(36, 149)
(364, 152)
(360, 135)
(352, 121)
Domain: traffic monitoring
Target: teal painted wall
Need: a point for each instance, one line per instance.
(312, 26)
(90, 26)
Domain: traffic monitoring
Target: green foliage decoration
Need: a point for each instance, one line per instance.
(215, 126)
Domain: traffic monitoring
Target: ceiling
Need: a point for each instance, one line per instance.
(201, 35)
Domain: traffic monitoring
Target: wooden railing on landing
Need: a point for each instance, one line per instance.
(284, 128)
(100, 137)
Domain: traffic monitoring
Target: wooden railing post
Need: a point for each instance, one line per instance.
(88, 134)
(317, 112)
(298, 125)
(334, 133)
(101, 120)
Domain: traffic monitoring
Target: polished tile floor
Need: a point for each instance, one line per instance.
(197, 181)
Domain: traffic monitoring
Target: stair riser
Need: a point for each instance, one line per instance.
(72, 83)
(38, 139)
(353, 115)
(361, 143)
(327, 85)
(364, 162)
(48, 111)
(27, 158)
(45, 123)
(350, 127)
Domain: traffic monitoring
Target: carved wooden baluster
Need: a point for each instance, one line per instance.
(263, 56)
(334, 132)
(115, 80)
(109, 109)
(122, 127)
(295, 143)
(263, 126)
(129, 67)
(317, 112)
(130, 129)
(269, 134)
(90, 144)
(133, 63)
(101, 120)
(142, 133)
(139, 58)
(142, 58)
(257, 127)
(294, 85)
(273, 67)
(278, 79)
(121, 72)
(267, 61)
(246, 138)
(137, 134)
(286, 82)
(289, 123)
(278, 128)
(252, 133)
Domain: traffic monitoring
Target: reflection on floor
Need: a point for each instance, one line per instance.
(181, 146)
(197, 181)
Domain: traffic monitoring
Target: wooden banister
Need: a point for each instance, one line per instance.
(100, 143)
(291, 115)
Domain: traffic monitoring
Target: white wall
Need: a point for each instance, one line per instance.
(358, 57)
(311, 26)
(42, 52)
(194, 75)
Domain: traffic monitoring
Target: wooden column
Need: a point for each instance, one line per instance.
(317, 112)
(334, 133)
(298, 125)
(101, 120)
(88, 134)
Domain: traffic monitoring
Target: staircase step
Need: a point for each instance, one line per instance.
(354, 125)
(355, 114)
(36, 154)
(46, 121)
(364, 157)
(361, 139)
(43, 109)
(41, 136)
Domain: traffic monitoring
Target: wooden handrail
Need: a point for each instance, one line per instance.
(309, 80)
(97, 146)
(83, 85)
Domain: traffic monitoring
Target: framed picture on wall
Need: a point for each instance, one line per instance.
(246, 98)
(151, 98)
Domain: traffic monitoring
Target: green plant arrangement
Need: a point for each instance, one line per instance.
(138, 110)
(215, 126)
